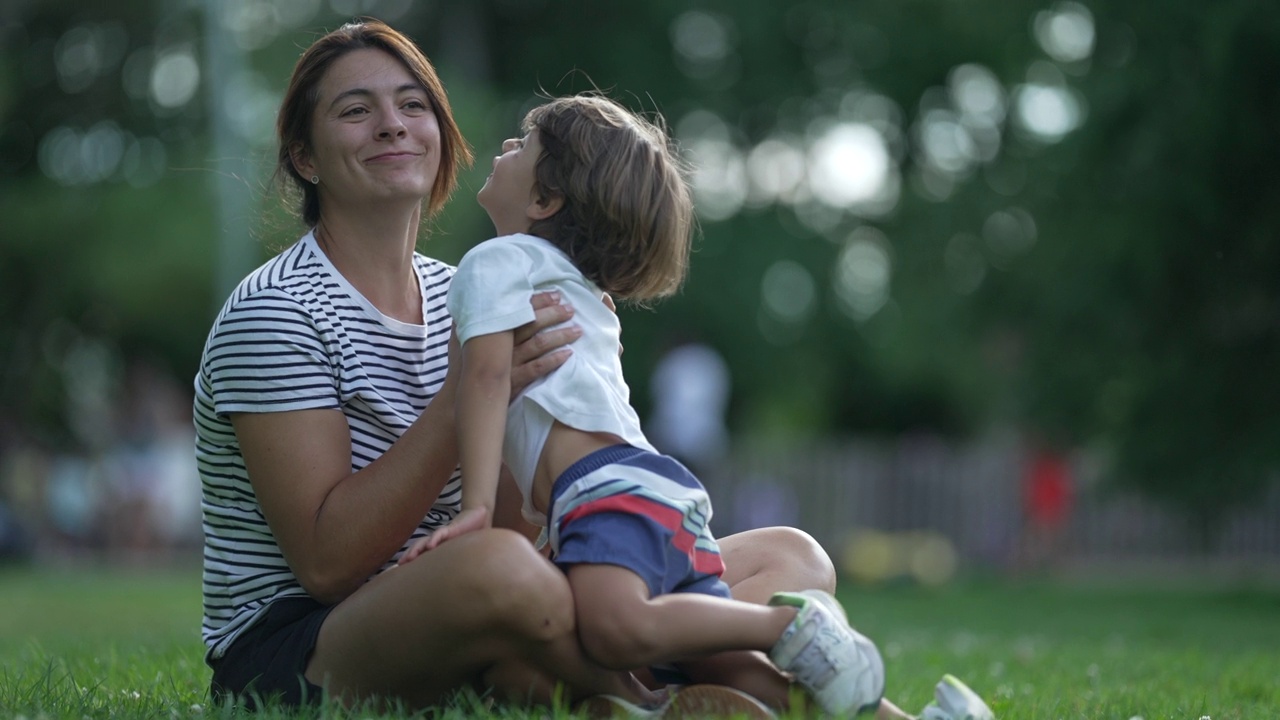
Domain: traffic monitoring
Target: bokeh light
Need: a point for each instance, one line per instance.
(103, 152)
(720, 174)
(1008, 234)
(1065, 32)
(1046, 107)
(86, 52)
(924, 556)
(862, 273)
(703, 43)
(175, 77)
(850, 167)
(788, 291)
(250, 105)
(977, 93)
(945, 142)
(144, 162)
(776, 170)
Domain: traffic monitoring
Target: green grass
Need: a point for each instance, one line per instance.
(96, 643)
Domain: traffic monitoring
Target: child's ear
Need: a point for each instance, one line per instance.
(543, 208)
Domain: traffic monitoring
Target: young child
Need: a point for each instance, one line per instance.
(592, 200)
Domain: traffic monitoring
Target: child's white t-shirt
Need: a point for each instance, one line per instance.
(490, 293)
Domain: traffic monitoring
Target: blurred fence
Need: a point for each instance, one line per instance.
(919, 506)
(965, 504)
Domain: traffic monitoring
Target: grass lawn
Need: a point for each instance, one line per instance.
(98, 643)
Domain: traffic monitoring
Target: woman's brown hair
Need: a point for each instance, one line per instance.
(627, 216)
(297, 109)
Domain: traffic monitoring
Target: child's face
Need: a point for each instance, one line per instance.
(508, 195)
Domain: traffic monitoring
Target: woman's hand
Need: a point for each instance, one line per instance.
(539, 350)
(467, 521)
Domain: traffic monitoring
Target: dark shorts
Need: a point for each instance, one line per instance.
(265, 665)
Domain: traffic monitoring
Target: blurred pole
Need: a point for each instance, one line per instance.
(224, 62)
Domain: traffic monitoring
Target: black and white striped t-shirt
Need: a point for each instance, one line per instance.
(293, 336)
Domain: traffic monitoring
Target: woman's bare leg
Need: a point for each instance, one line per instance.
(761, 562)
(482, 606)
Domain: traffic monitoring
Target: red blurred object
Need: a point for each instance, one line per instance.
(1047, 490)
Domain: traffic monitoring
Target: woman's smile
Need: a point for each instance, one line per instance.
(394, 156)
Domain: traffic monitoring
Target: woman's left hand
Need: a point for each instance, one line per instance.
(540, 347)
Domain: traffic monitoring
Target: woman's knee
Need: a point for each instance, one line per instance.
(783, 556)
(527, 594)
(802, 550)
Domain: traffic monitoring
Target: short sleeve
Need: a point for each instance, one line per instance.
(491, 290)
(266, 354)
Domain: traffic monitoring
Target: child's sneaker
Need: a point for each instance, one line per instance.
(697, 702)
(955, 701)
(828, 601)
(839, 667)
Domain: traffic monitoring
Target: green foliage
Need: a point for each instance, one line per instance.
(124, 267)
(1142, 320)
(1148, 312)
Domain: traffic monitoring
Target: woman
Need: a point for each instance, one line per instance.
(326, 439)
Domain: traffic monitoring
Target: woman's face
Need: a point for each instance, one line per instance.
(374, 135)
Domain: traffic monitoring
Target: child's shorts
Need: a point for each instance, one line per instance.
(636, 509)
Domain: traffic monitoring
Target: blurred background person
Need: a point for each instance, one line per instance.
(689, 390)
(1048, 497)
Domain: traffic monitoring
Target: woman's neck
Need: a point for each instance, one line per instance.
(375, 255)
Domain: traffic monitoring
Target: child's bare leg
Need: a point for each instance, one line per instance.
(623, 627)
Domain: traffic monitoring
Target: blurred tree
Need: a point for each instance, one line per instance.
(1149, 314)
(929, 215)
(107, 234)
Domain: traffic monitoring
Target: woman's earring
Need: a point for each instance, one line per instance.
(315, 179)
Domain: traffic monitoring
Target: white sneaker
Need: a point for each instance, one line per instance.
(839, 667)
(828, 601)
(955, 701)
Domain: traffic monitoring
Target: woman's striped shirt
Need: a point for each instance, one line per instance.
(295, 335)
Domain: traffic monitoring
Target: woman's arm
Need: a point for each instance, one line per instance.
(336, 528)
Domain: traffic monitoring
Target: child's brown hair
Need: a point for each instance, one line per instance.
(627, 217)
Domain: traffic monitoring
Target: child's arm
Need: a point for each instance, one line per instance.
(483, 397)
(484, 391)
